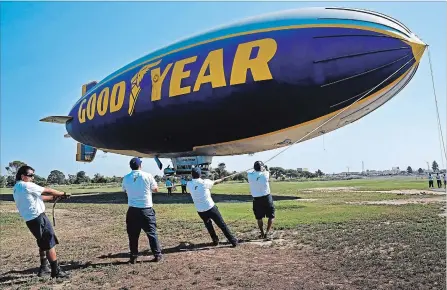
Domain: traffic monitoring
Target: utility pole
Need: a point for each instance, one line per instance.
(428, 166)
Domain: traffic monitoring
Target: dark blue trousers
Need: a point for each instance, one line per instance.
(213, 214)
(138, 219)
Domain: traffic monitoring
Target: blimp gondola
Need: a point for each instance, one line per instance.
(255, 85)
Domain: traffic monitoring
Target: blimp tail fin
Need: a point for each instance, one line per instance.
(85, 153)
(86, 87)
(56, 119)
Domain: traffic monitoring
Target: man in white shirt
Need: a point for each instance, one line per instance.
(262, 199)
(29, 200)
(200, 192)
(139, 186)
(430, 180)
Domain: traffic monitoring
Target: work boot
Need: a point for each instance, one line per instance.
(44, 268)
(157, 258)
(56, 271)
(133, 259)
(215, 242)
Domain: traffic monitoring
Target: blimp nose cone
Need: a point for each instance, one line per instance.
(418, 47)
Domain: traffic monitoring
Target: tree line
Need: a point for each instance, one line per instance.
(55, 177)
(434, 167)
(58, 177)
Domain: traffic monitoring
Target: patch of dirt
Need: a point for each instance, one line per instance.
(403, 201)
(307, 199)
(409, 192)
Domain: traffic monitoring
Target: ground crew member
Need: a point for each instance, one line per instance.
(430, 181)
(29, 200)
(200, 192)
(438, 180)
(139, 186)
(183, 183)
(169, 186)
(262, 199)
(445, 180)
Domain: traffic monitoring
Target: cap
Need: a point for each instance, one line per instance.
(257, 166)
(196, 172)
(135, 162)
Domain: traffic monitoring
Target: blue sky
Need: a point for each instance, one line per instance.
(49, 49)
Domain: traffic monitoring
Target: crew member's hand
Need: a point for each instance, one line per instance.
(66, 195)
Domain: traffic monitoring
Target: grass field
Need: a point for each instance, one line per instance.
(356, 234)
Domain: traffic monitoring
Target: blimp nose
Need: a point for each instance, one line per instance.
(418, 47)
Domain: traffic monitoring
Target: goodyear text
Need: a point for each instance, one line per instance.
(111, 99)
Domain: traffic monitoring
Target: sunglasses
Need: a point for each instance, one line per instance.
(29, 175)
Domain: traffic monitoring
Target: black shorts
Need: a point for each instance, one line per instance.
(42, 230)
(263, 207)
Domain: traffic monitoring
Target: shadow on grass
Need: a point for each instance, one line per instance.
(158, 198)
(20, 275)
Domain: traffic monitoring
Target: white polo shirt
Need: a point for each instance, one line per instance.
(28, 199)
(259, 183)
(139, 185)
(200, 192)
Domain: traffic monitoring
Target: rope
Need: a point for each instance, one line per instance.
(54, 214)
(437, 110)
(364, 95)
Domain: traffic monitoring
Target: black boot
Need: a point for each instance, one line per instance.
(133, 259)
(44, 268)
(56, 271)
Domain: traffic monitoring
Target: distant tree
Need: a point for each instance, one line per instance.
(409, 169)
(81, 177)
(157, 178)
(13, 167)
(56, 177)
(435, 166)
(10, 180)
(319, 173)
(291, 173)
(2, 181)
(98, 178)
(241, 176)
(277, 171)
(71, 179)
(308, 174)
(39, 180)
(420, 170)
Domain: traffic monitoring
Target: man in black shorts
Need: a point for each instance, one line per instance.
(262, 199)
(29, 200)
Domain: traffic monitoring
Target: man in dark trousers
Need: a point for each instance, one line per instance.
(438, 180)
(29, 200)
(200, 192)
(183, 183)
(139, 186)
(430, 180)
(262, 199)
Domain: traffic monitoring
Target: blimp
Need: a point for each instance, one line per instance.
(254, 85)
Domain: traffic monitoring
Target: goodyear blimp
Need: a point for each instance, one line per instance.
(252, 86)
